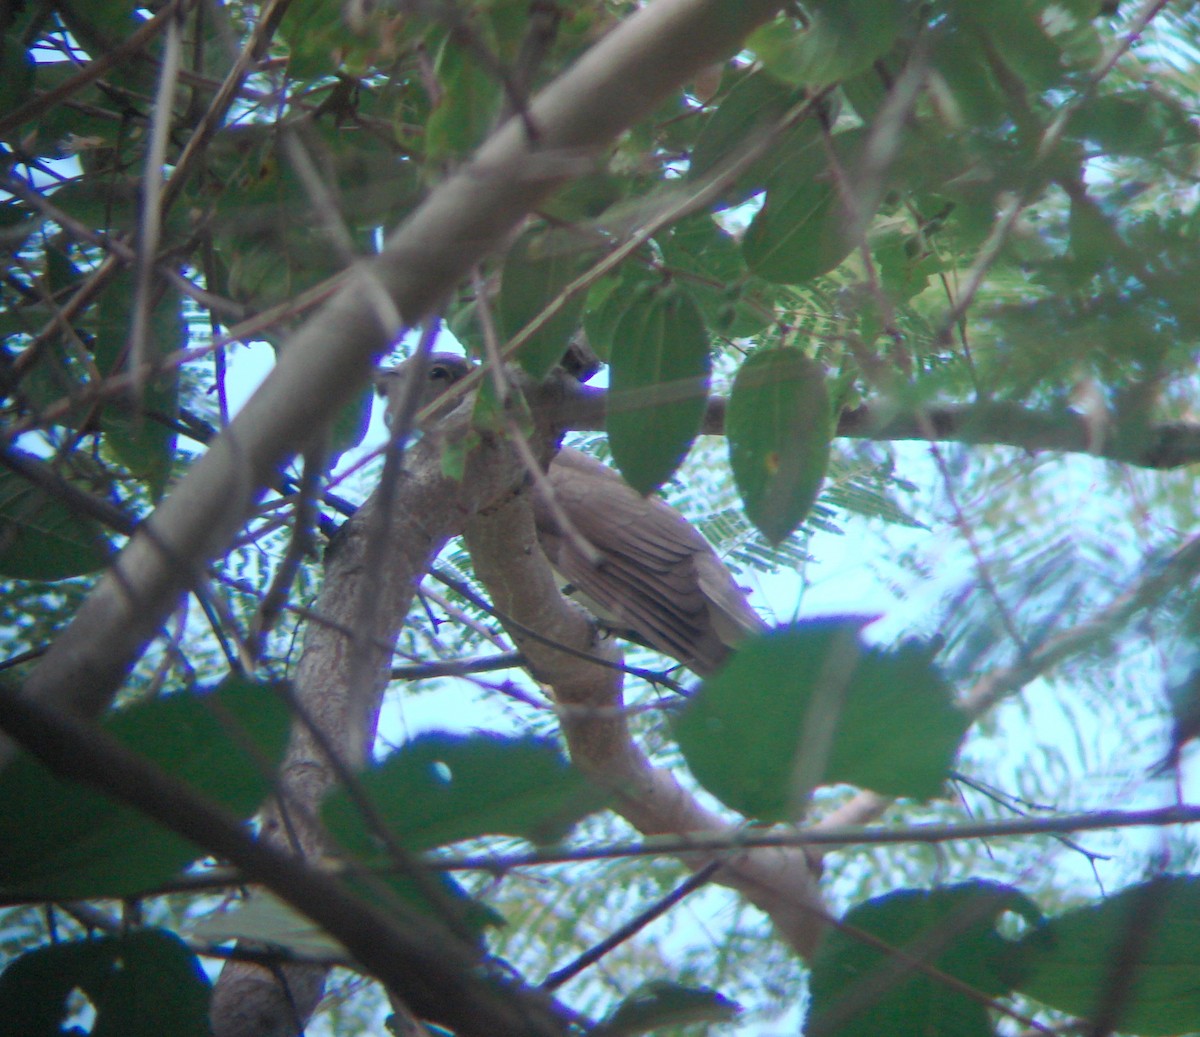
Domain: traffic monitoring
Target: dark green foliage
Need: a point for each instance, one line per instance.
(60, 840)
(955, 220)
(141, 984)
(660, 365)
(1129, 960)
(873, 983)
(442, 788)
(811, 705)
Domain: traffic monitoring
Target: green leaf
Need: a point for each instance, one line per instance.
(1018, 39)
(267, 921)
(1130, 959)
(539, 266)
(803, 230)
(16, 83)
(144, 983)
(661, 1003)
(440, 788)
(138, 438)
(607, 301)
(61, 840)
(859, 991)
(751, 108)
(778, 425)
(732, 303)
(43, 539)
(468, 106)
(842, 38)
(316, 34)
(1131, 123)
(811, 700)
(658, 387)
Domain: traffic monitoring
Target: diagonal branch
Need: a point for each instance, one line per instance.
(345, 667)
(617, 82)
(507, 558)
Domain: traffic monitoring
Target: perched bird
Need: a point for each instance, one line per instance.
(657, 579)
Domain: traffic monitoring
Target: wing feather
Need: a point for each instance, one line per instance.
(658, 575)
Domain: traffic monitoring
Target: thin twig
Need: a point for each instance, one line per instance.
(631, 928)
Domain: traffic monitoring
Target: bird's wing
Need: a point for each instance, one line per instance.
(658, 575)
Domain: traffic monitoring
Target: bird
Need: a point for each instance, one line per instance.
(650, 575)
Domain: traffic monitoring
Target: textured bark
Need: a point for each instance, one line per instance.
(507, 558)
(343, 672)
(614, 84)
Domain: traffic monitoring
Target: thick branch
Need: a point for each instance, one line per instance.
(507, 558)
(345, 667)
(436, 975)
(620, 80)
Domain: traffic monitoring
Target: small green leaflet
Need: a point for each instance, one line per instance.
(658, 387)
(778, 425)
(810, 704)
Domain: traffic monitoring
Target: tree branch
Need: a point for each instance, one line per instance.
(436, 974)
(346, 664)
(1163, 446)
(508, 560)
(617, 82)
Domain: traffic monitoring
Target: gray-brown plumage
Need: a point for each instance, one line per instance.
(657, 577)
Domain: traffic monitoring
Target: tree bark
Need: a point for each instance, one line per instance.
(617, 82)
(508, 560)
(344, 669)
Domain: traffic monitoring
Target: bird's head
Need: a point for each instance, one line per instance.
(441, 371)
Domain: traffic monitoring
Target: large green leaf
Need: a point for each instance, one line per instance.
(468, 105)
(1133, 122)
(658, 388)
(135, 432)
(440, 788)
(882, 720)
(803, 229)
(538, 267)
(778, 424)
(43, 539)
(607, 301)
(858, 990)
(842, 38)
(144, 983)
(752, 108)
(1130, 959)
(61, 840)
